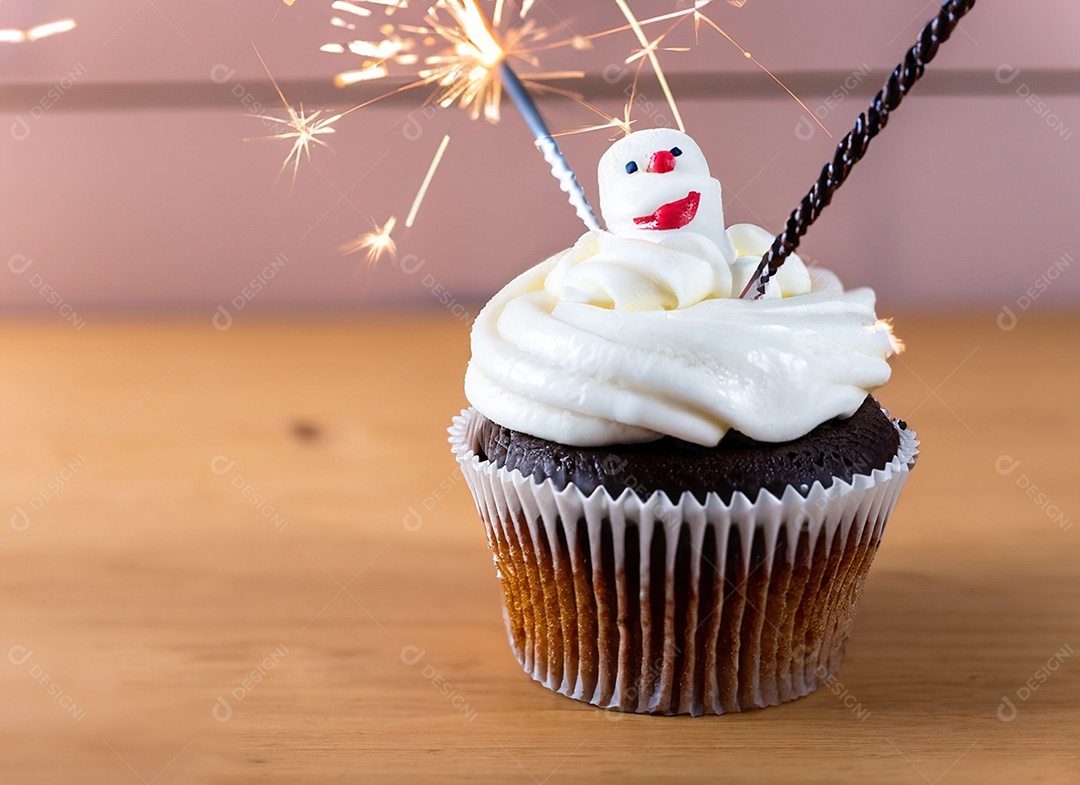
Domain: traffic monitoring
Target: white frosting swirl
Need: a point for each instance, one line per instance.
(586, 375)
(638, 333)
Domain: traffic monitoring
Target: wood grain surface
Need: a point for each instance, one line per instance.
(245, 556)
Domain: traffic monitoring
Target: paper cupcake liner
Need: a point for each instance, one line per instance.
(679, 607)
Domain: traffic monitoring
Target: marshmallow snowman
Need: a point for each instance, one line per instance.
(655, 184)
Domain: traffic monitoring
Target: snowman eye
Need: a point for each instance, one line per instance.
(631, 167)
(675, 151)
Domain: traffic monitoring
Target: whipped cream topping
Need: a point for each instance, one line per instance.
(637, 333)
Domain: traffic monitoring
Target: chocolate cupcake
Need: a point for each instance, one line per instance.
(682, 490)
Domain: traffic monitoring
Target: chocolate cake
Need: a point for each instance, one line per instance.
(836, 449)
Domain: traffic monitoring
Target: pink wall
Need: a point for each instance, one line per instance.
(971, 195)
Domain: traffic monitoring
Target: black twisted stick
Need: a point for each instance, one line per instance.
(853, 146)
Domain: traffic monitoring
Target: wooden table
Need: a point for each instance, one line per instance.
(245, 556)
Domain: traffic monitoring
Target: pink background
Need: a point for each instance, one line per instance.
(157, 202)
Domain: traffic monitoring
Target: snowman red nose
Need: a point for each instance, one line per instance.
(661, 161)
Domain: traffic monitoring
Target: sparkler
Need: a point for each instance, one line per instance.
(465, 55)
(468, 62)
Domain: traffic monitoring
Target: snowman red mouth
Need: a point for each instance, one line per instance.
(673, 215)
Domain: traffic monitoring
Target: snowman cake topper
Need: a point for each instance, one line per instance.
(665, 245)
(658, 181)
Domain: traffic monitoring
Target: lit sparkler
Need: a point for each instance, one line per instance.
(459, 52)
(464, 54)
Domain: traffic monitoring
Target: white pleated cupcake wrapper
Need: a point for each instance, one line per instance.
(757, 599)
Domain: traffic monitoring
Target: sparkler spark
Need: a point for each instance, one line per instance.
(427, 181)
(376, 242)
(650, 51)
(771, 75)
(650, 47)
(305, 129)
(13, 36)
(454, 47)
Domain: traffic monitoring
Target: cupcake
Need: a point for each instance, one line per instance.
(682, 490)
